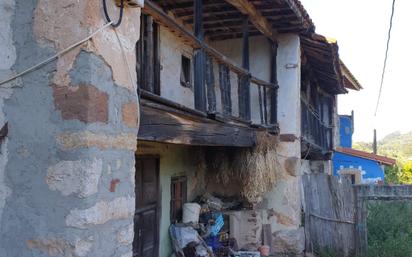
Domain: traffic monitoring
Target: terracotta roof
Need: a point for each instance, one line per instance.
(323, 57)
(370, 156)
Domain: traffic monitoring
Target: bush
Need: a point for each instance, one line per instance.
(389, 229)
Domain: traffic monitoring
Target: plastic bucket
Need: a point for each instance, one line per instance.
(191, 212)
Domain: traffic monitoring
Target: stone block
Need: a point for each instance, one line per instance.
(87, 139)
(102, 212)
(83, 102)
(75, 177)
(290, 241)
(129, 114)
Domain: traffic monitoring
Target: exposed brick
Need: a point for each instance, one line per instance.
(113, 185)
(83, 102)
(129, 114)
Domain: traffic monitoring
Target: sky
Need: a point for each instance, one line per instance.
(361, 28)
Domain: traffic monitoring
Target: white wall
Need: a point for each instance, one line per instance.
(259, 61)
(289, 68)
(171, 50)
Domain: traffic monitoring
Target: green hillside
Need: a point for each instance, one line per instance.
(394, 145)
(398, 146)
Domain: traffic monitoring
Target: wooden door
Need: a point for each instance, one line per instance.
(146, 220)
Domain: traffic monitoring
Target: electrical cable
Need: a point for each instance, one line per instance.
(386, 56)
(106, 14)
(64, 51)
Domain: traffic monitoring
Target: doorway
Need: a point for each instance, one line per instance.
(147, 212)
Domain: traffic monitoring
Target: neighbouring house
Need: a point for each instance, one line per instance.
(101, 148)
(361, 166)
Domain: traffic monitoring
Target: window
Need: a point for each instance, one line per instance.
(178, 192)
(185, 74)
(147, 56)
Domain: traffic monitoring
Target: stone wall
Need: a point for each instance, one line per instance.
(71, 131)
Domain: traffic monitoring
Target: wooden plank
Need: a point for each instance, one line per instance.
(274, 81)
(244, 97)
(361, 235)
(149, 55)
(160, 16)
(225, 89)
(199, 60)
(267, 235)
(265, 109)
(244, 80)
(245, 44)
(256, 17)
(210, 83)
(262, 120)
(329, 206)
(199, 80)
(158, 99)
(160, 123)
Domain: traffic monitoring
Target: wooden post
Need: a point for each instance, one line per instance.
(265, 108)
(149, 55)
(361, 237)
(244, 80)
(260, 104)
(273, 80)
(199, 60)
(225, 89)
(210, 82)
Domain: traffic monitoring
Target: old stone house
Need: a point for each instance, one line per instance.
(102, 145)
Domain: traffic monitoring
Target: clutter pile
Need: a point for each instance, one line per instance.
(205, 232)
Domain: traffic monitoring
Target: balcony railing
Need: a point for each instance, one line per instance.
(259, 108)
(314, 130)
(256, 99)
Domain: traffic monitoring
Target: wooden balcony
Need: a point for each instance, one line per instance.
(212, 121)
(317, 137)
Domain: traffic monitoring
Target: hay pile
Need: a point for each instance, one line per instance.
(255, 168)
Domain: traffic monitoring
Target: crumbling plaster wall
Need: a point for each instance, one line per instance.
(175, 160)
(283, 203)
(8, 57)
(71, 131)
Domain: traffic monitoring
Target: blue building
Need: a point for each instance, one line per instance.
(362, 167)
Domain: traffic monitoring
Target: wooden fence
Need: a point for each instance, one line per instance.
(336, 212)
(330, 214)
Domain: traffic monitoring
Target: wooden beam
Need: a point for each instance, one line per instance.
(244, 80)
(256, 17)
(149, 66)
(210, 85)
(199, 60)
(225, 89)
(274, 80)
(163, 124)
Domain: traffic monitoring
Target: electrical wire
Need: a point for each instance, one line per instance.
(48, 60)
(386, 56)
(106, 14)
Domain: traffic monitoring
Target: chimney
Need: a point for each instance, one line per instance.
(375, 144)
